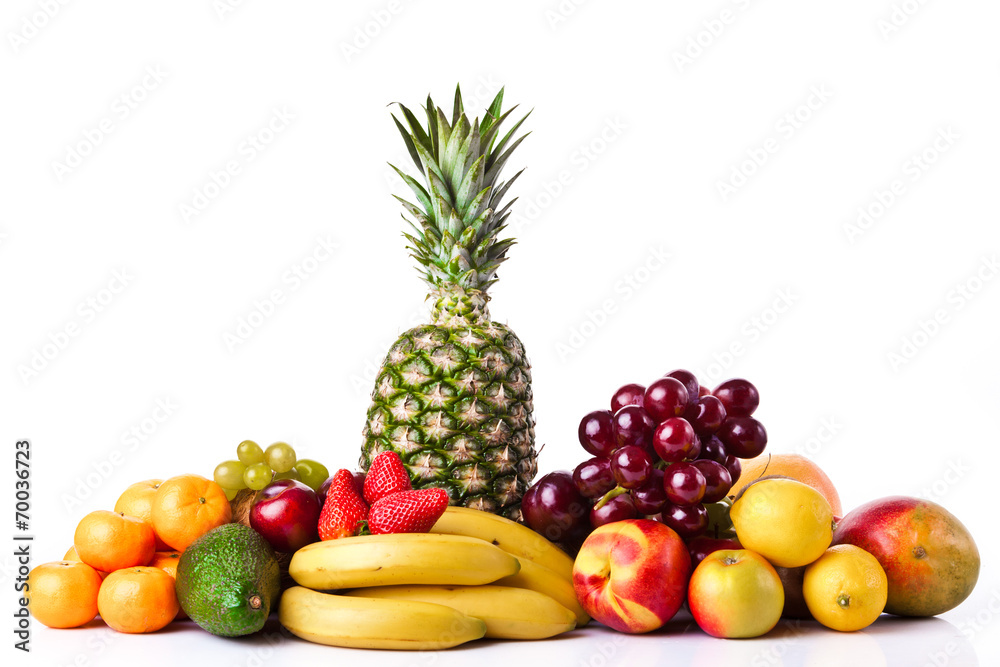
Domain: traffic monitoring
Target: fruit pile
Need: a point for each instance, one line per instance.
(791, 557)
(122, 564)
(170, 549)
(475, 575)
(670, 451)
(422, 549)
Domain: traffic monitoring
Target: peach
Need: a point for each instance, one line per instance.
(632, 575)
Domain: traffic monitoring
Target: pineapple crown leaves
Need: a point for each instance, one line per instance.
(458, 217)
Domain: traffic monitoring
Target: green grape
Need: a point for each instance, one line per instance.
(280, 456)
(312, 473)
(257, 476)
(291, 474)
(249, 452)
(230, 494)
(229, 475)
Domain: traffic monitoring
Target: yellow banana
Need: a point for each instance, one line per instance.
(509, 613)
(404, 558)
(356, 622)
(540, 578)
(510, 536)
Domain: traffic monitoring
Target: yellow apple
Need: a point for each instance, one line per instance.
(735, 594)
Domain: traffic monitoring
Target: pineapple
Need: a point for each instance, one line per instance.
(453, 397)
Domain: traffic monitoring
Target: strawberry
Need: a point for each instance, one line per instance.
(386, 476)
(408, 511)
(344, 511)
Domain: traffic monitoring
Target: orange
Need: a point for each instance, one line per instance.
(789, 465)
(167, 561)
(137, 501)
(72, 555)
(188, 506)
(138, 599)
(63, 594)
(108, 541)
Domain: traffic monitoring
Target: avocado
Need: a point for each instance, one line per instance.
(228, 580)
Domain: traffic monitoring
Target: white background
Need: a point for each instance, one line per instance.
(642, 110)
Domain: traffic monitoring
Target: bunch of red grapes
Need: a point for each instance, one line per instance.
(665, 452)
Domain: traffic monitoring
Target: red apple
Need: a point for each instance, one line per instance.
(286, 515)
(929, 556)
(632, 575)
(701, 546)
(735, 594)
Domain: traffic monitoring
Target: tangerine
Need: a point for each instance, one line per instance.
(109, 541)
(188, 506)
(63, 594)
(137, 501)
(167, 561)
(138, 600)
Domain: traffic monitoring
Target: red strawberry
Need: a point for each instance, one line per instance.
(408, 511)
(385, 476)
(344, 511)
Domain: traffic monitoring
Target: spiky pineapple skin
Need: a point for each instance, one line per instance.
(455, 403)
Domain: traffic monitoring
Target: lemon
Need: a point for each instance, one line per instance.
(846, 588)
(787, 522)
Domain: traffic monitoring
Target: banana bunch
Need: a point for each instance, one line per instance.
(507, 612)
(475, 575)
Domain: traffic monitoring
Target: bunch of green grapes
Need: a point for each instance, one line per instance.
(255, 468)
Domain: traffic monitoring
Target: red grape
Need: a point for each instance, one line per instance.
(702, 545)
(629, 394)
(665, 398)
(689, 381)
(618, 508)
(593, 477)
(718, 481)
(743, 437)
(734, 467)
(684, 484)
(554, 507)
(706, 415)
(696, 452)
(713, 449)
(630, 466)
(596, 433)
(699, 434)
(739, 396)
(674, 440)
(359, 482)
(686, 520)
(632, 425)
(649, 497)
